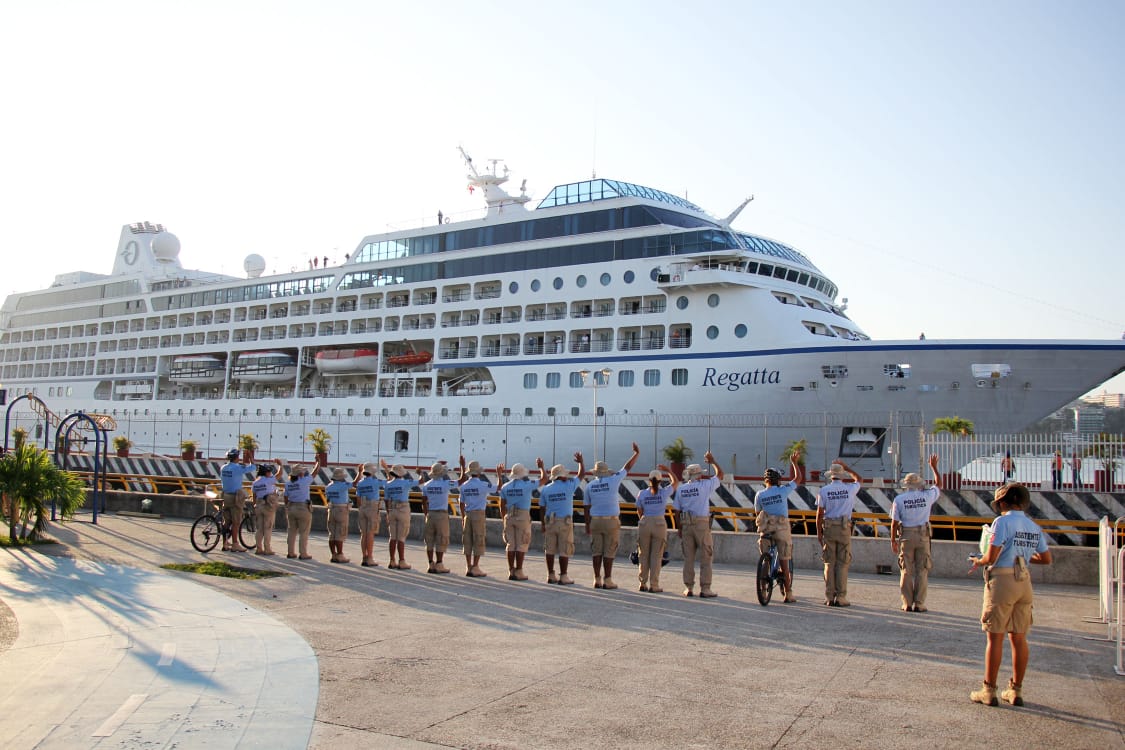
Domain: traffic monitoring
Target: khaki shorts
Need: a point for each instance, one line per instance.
(1007, 602)
(604, 534)
(558, 539)
(398, 521)
(233, 503)
(472, 532)
(517, 530)
(369, 517)
(338, 515)
(437, 530)
(782, 534)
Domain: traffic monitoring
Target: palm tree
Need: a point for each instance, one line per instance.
(30, 479)
(954, 426)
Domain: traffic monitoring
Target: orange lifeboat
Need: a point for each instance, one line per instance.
(410, 358)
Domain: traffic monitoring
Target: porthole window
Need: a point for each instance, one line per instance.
(604, 279)
(535, 285)
(740, 330)
(513, 287)
(712, 332)
(712, 300)
(681, 303)
(629, 276)
(580, 281)
(654, 274)
(557, 283)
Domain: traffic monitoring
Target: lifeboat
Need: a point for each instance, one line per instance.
(410, 358)
(197, 368)
(342, 361)
(265, 367)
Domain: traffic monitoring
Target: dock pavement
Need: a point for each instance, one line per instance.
(100, 648)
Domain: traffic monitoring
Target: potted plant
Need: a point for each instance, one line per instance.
(800, 447)
(187, 449)
(321, 442)
(248, 444)
(122, 444)
(677, 454)
(1107, 449)
(19, 437)
(958, 428)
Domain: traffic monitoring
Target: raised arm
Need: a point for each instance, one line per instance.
(796, 470)
(672, 479)
(850, 470)
(542, 471)
(933, 468)
(581, 464)
(632, 459)
(714, 466)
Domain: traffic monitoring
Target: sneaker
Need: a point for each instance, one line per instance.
(269, 552)
(512, 576)
(478, 573)
(920, 608)
(643, 588)
(291, 556)
(609, 584)
(789, 599)
(986, 695)
(655, 590)
(259, 552)
(907, 608)
(1013, 694)
(431, 569)
(367, 564)
(552, 578)
(520, 575)
(565, 580)
(688, 592)
(403, 565)
(439, 568)
(597, 583)
(305, 557)
(842, 601)
(707, 594)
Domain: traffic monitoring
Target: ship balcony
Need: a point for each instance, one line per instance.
(705, 277)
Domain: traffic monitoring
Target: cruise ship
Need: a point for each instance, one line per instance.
(609, 313)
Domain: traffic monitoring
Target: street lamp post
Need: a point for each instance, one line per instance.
(595, 385)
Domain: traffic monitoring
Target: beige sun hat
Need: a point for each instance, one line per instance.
(691, 471)
(1015, 495)
(558, 471)
(297, 469)
(437, 469)
(836, 471)
(601, 469)
(518, 471)
(339, 474)
(913, 481)
(656, 474)
(398, 470)
(370, 468)
(474, 468)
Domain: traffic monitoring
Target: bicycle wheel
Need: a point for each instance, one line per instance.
(765, 580)
(205, 533)
(246, 531)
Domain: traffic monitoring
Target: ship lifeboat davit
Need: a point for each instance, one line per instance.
(343, 361)
(410, 358)
(265, 367)
(197, 368)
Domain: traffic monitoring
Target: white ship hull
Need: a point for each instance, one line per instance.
(731, 341)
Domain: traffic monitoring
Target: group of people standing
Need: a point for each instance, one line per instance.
(1015, 540)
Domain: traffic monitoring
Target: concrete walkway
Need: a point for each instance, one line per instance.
(410, 660)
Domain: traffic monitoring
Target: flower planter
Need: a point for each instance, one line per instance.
(247, 456)
(122, 452)
(677, 469)
(322, 459)
(188, 455)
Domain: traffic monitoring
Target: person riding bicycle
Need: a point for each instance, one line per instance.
(772, 506)
(232, 475)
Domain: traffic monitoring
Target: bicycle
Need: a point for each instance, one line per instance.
(769, 572)
(209, 528)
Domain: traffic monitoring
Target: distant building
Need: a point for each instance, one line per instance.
(1089, 419)
(1108, 400)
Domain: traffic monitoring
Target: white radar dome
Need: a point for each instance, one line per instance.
(254, 265)
(166, 247)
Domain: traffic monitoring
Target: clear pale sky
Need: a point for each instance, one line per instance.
(955, 167)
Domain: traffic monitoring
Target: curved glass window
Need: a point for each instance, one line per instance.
(681, 303)
(629, 276)
(580, 281)
(604, 279)
(712, 332)
(535, 285)
(654, 274)
(712, 300)
(513, 287)
(557, 283)
(740, 330)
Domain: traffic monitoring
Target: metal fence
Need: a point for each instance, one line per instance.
(1063, 462)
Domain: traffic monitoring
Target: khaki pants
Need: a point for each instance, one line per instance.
(472, 532)
(299, 518)
(697, 537)
(837, 556)
(517, 530)
(233, 503)
(558, 539)
(652, 534)
(914, 564)
(1008, 601)
(338, 516)
(398, 521)
(782, 535)
(437, 530)
(605, 531)
(265, 516)
(369, 517)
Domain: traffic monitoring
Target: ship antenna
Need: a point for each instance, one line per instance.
(734, 214)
